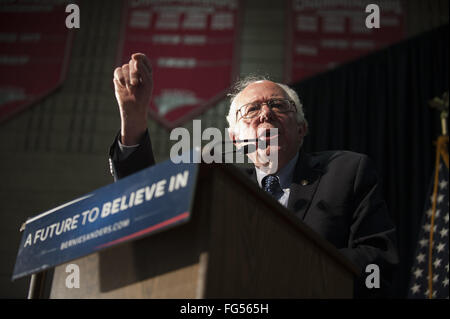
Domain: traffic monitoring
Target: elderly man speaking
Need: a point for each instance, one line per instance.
(336, 193)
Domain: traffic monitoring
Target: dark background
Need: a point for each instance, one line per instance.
(378, 105)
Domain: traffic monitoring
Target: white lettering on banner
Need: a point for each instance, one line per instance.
(90, 214)
(171, 99)
(14, 59)
(195, 21)
(93, 214)
(231, 4)
(194, 39)
(106, 209)
(139, 196)
(177, 62)
(182, 180)
(28, 241)
(178, 181)
(56, 228)
(30, 37)
(166, 39)
(123, 203)
(333, 24)
(149, 191)
(388, 6)
(160, 188)
(306, 49)
(168, 20)
(7, 37)
(95, 234)
(363, 45)
(10, 94)
(307, 23)
(334, 43)
(222, 21)
(140, 19)
(109, 208)
(115, 206)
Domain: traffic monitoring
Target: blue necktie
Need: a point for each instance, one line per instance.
(271, 184)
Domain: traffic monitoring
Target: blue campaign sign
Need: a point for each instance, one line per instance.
(141, 204)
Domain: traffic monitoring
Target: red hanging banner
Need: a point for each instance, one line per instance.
(192, 48)
(324, 34)
(34, 52)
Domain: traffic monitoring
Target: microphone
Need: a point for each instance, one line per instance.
(245, 149)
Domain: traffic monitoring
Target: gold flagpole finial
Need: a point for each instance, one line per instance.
(441, 104)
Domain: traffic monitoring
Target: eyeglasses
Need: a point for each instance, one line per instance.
(251, 110)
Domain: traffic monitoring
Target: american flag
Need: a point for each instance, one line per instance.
(434, 228)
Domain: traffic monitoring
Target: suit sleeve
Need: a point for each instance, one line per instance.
(372, 234)
(141, 158)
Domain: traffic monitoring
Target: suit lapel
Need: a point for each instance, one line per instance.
(304, 184)
(252, 174)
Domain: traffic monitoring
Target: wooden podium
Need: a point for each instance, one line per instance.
(240, 243)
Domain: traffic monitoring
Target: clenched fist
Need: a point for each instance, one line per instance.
(133, 86)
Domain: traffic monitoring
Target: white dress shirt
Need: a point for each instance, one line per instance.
(285, 178)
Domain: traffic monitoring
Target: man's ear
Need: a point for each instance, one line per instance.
(303, 129)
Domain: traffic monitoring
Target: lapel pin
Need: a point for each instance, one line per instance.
(304, 182)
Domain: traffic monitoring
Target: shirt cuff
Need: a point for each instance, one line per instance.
(125, 150)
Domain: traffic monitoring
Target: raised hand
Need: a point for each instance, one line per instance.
(133, 86)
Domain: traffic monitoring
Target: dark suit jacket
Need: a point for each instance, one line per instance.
(337, 194)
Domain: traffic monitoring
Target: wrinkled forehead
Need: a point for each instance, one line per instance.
(260, 91)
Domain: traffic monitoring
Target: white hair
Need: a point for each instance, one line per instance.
(240, 85)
